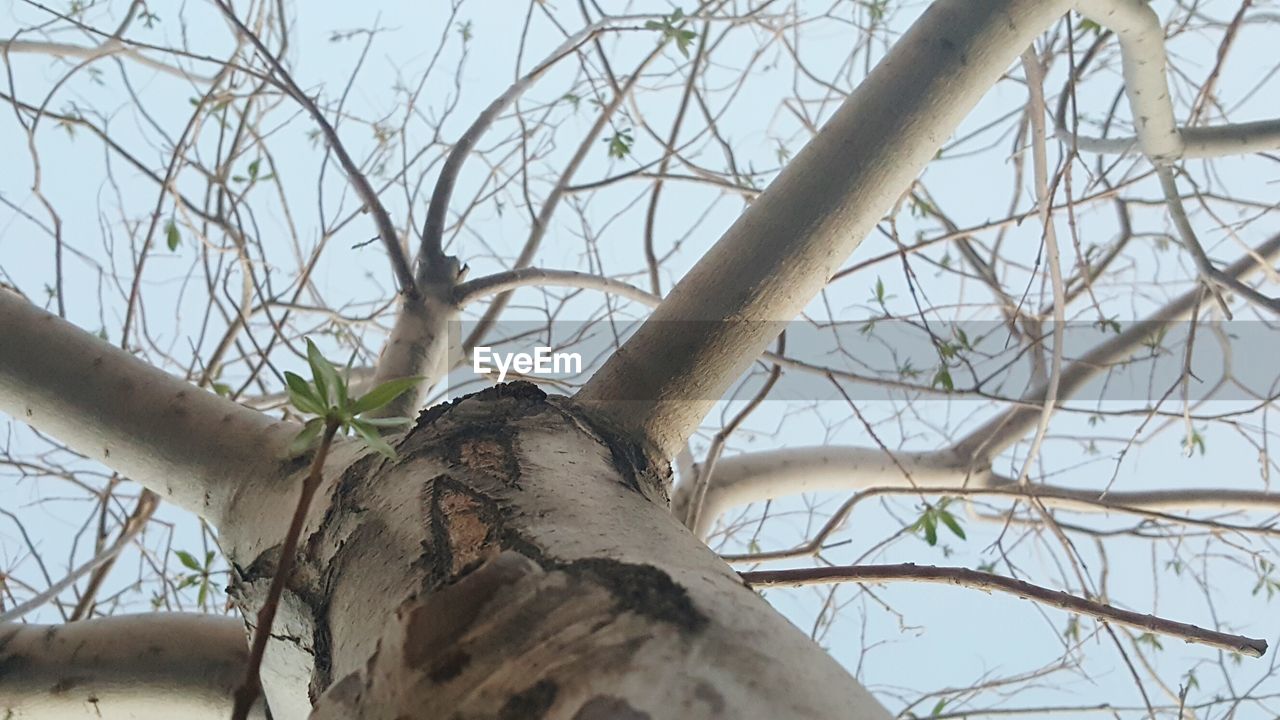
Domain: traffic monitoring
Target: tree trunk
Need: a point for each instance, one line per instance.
(518, 561)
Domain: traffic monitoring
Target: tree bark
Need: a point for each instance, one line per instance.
(131, 667)
(517, 561)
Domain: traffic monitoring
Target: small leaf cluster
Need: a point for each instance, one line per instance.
(1266, 582)
(327, 397)
(620, 143)
(672, 29)
(200, 574)
(932, 516)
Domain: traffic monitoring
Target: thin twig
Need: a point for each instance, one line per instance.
(127, 536)
(431, 251)
(248, 691)
(142, 512)
(381, 218)
(964, 577)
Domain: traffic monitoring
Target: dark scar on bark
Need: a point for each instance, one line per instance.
(608, 707)
(462, 530)
(642, 471)
(645, 590)
(530, 704)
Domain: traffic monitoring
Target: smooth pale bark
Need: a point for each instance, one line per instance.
(1197, 142)
(779, 254)
(186, 444)
(159, 666)
(1144, 62)
(751, 477)
(110, 46)
(515, 561)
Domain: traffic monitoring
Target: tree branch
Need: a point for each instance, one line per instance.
(753, 477)
(988, 582)
(1143, 61)
(108, 47)
(431, 251)
(381, 218)
(509, 280)
(1197, 142)
(780, 253)
(1002, 431)
(187, 445)
(135, 667)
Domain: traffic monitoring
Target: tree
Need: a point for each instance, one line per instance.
(513, 553)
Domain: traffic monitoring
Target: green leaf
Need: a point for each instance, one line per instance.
(253, 168)
(930, 528)
(620, 144)
(203, 594)
(302, 395)
(188, 560)
(324, 375)
(222, 389)
(383, 394)
(950, 521)
(370, 435)
(685, 38)
(943, 378)
(303, 441)
(172, 237)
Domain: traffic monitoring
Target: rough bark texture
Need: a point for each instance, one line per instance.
(516, 561)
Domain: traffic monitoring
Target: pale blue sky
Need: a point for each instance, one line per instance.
(939, 637)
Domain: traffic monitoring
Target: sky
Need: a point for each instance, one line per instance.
(920, 637)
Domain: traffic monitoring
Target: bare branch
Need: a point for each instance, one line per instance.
(381, 218)
(1002, 431)
(988, 582)
(112, 46)
(431, 251)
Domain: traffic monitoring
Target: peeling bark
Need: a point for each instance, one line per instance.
(517, 561)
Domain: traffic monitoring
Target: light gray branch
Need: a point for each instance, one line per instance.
(754, 477)
(132, 667)
(185, 444)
